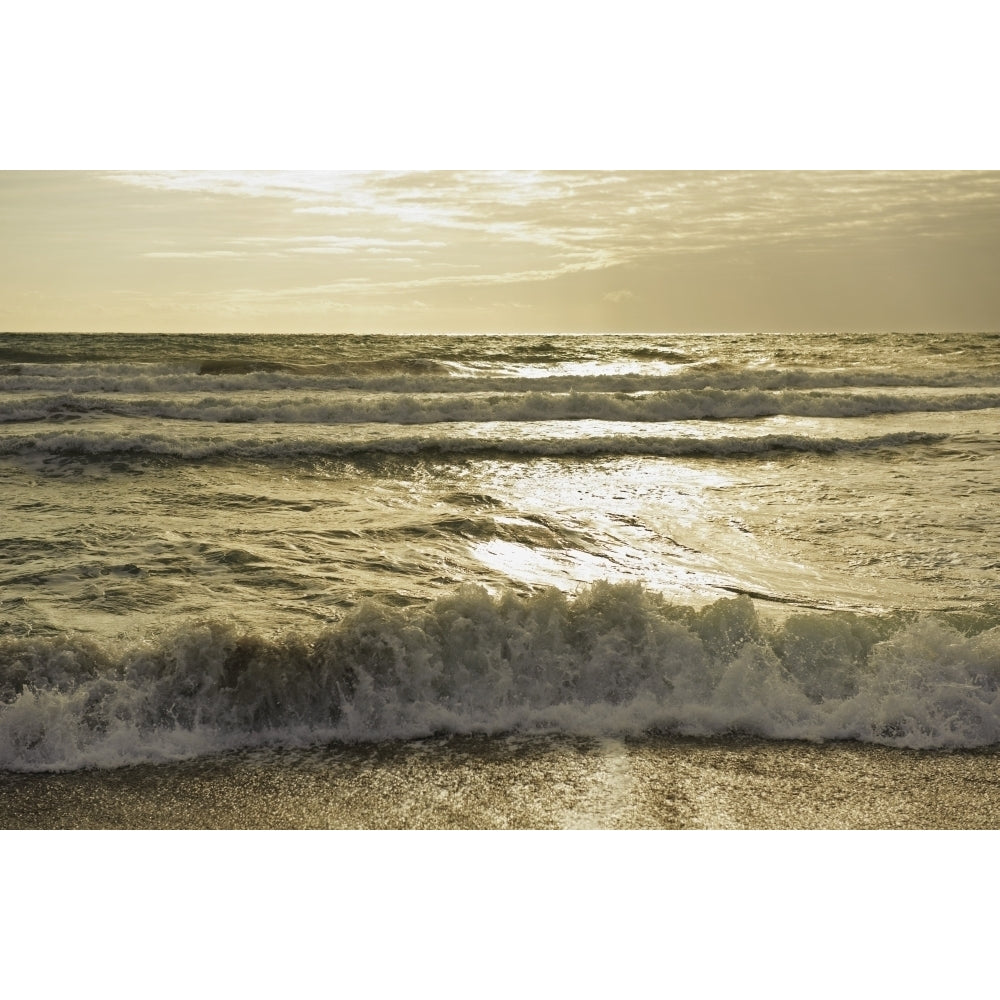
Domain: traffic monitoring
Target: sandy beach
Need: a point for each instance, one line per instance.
(521, 782)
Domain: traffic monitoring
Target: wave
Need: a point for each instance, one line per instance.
(667, 354)
(245, 366)
(90, 444)
(416, 376)
(706, 404)
(615, 659)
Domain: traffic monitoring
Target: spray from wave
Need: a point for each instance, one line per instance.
(615, 659)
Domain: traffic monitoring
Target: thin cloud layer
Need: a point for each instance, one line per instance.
(566, 250)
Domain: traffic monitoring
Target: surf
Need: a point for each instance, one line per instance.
(610, 661)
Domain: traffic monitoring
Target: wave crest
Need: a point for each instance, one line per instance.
(615, 659)
(267, 446)
(405, 408)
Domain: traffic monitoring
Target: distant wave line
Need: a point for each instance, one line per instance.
(94, 443)
(683, 404)
(159, 380)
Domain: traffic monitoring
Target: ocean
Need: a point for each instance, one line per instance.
(288, 545)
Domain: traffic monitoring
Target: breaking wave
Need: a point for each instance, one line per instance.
(490, 441)
(407, 408)
(614, 659)
(417, 377)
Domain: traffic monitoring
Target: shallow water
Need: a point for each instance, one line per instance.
(526, 783)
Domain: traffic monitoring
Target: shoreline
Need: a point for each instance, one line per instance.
(519, 782)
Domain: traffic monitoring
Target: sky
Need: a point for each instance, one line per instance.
(503, 251)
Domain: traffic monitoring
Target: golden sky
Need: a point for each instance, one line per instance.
(446, 251)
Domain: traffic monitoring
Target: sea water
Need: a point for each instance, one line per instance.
(220, 541)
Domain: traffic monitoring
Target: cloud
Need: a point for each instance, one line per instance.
(559, 222)
(192, 254)
(571, 242)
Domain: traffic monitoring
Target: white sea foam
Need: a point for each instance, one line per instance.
(613, 661)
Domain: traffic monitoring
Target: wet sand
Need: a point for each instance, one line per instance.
(665, 783)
